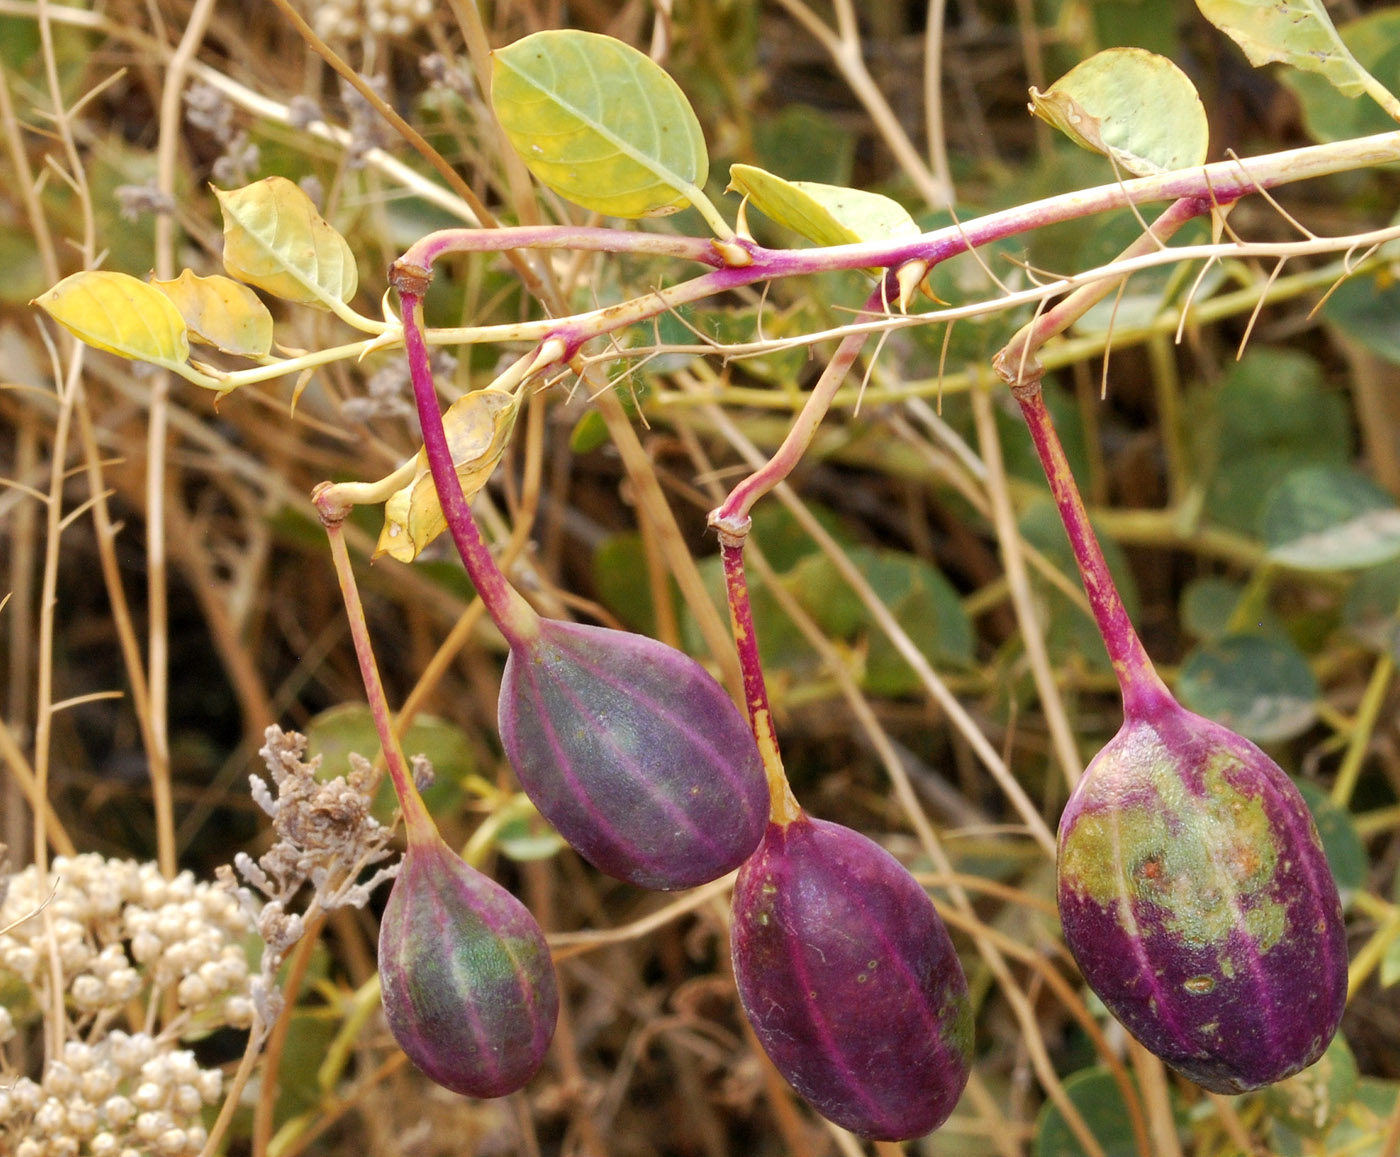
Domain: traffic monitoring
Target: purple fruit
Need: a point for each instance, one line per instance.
(1196, 899)
(850, 980)
(468, 985)
(633, 752)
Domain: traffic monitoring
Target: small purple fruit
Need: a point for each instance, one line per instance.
(468, 985)
(851, 981)
(1196, 899)
(633, 752)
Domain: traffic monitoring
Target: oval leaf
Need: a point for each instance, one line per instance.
(120, 314)
(478, 429)
(599, 123)
(824, 214)
(1131, 105)
(222, 313)
(275, 239)
(1330, 518)
(1259, 686)
(1296, 32)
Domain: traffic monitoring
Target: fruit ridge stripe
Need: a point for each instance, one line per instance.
(625, 761)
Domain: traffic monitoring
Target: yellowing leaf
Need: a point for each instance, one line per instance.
(1131, 105)
(275, 239)
(1296, 32)
(599, 123)
(478, 430)
(120, 314)
(221, 312)
(824, 214)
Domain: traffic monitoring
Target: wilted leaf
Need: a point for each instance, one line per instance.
(599, 123)
(1296, 32)
(824, 214)
(221, 312)
(275, 239)
(478, 430)
(1131, 105)
(120, 314)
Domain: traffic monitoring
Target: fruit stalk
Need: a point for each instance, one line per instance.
(1143, 690)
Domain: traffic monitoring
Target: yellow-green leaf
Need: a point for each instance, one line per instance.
(221, 312)
(1131, 105)
(275, 239)
(599, 123)
(824, 214)
(120, 314)
(1296, 32)
(478, 430)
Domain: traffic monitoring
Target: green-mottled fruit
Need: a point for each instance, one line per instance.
(850, 980)
(468, 986)
(634, 753)
(1196, 899)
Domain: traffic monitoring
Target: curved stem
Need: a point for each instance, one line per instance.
(515, 618)
(1143, 690)
(783, 807)
(418, 823)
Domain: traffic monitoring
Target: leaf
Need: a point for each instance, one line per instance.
(1258, 685)
(1100, 1102)
(1310, 1103)
(599, 123)
(1296, 32)
(1374, 40)
(275, 239)
(120, 314)
(222, 313)
(478, 428)
(1330, 518)
(1131, 105)
(824, 214)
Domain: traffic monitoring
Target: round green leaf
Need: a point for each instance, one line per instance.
(1295, 32)
(1100, 1102)
(1330, 518)
(1259, 686)
(1346, 854)
(599, 123)
(1131, 105)
(1372, 608)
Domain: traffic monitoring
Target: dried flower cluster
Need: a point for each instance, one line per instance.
(353, 19)
(114, 936)
(325, 837)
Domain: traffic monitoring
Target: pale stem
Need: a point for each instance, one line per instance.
(418, 823)
(804, 427)
(783, 807)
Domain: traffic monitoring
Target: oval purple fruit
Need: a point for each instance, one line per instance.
(468, 985)
(634, 753)
(1198, 903)
(851, 981)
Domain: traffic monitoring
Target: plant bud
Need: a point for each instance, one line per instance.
(1197, 901)
(468, 985)
(634, 753)
(851, 981)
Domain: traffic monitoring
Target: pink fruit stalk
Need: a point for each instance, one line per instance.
(466, 978)
(1193, 889)
(630, 748)
(843, 966)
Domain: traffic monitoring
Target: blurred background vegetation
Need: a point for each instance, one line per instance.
(170, 596)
